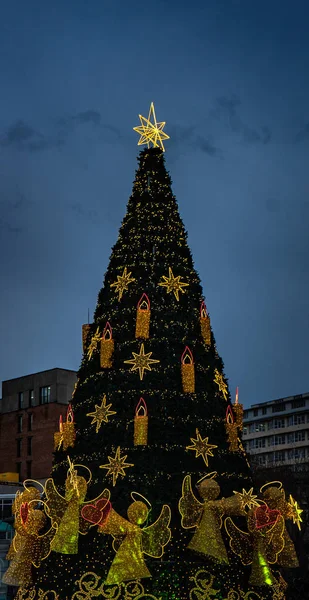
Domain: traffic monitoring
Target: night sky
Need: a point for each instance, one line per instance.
(230, 78)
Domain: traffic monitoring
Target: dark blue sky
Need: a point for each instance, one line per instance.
(230, 78)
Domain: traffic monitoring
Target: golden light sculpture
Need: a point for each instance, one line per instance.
(141, 424)
(221, 383)
(122, 282)
(205, 324)
(247, 499)
(116, 465)
(151, 132)
(66, 435)
(141, 361)
(85, 330)
(201, 447)
(107, 347)
(94, 343)
(173, 284)
(187, 371)
(142, 317)
(231, 430)
(295, 511)
(101, 413)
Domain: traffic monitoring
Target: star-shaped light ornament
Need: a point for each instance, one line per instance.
(201, 447)
(247, 499)
(295, 511)
(122, 282)
(116, 465)
(221, 383)
(101, 414)
(141, 361)
(94, 343)
(173, 284)
(151, 132)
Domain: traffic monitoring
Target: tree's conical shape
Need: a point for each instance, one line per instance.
(166, 442)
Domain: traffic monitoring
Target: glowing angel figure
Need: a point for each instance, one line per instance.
(274, 496)
(263, 543)
(207, 517)
(65, 511)
(28, 547)
(131, 542)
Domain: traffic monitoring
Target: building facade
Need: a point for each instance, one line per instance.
(277, 432)
(29, 415)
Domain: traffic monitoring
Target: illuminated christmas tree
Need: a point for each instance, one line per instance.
(151, 494)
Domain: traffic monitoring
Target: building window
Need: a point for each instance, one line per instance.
(251, 428)
(259, 426)
(45, 394)
(20, 400)
(279, 439)
(261, 459)
(29, 463)
(31, 398)
(279, 456)
(278, 407)
(30, 421)
(299, 420)
(29, 446)
(298, 403)
(300, 436)
(264, 411)
(245, 430)
(271, 441)
(19, 423)
(18, 469)
(256, 412)
(245, 414)
(18, 447)
(278, 423)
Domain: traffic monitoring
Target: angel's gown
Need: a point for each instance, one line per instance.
(66, 537)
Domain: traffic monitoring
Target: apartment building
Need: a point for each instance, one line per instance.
(29, 415)
(277, 432)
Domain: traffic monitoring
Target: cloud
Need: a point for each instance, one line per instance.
(182, 136)
(84, 213)
(7, 226)
(22, 136)
(226, 110)
(303, 134)
(206, 145)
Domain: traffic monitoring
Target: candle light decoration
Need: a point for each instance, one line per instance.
(143, 317)
(205, 324)
(85, 331)
(231, 430)
(187, 371)
(238, 411)
(65, 437)
(141, 424)
(107, 347)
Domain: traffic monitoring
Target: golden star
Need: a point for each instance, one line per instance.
(151, 132)
(122, 282)
(101, 413)
(295, 511)
(247, 499)
(116, 465)
(141, 361)
(221, 384)
(94, 342)
(173, 284)
(201, 447)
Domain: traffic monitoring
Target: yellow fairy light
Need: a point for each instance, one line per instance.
(295, 511)
(116, 465)
(201, 447)
(173, 284)
(101, 413)
(151, 132)
(221, 383)
(247, 499)
(141, 361)
(122, 282)
(94, 343)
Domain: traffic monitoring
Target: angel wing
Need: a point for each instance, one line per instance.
(157, 535)
(189, 507)
(84, 524)
(240, 541)
(41, 547)
(275, 540)
(56, 504)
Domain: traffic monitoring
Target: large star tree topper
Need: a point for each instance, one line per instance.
(151, 132)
